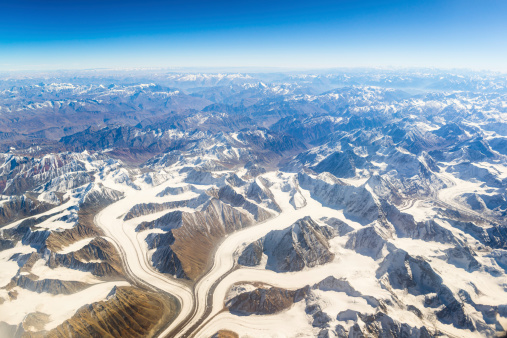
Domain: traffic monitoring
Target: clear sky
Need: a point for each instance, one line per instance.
(80, 34)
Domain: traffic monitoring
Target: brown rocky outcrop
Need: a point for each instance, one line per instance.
(194, 235)
(265, 300)
(18, 207)
(225, 334)
(128, 312)
(201, 231)
(52, 286)
(98, 257)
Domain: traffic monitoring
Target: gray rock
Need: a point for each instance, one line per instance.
(301, 245)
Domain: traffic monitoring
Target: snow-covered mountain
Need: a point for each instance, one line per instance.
(337, 204)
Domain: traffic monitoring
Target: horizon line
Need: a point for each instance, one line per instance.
(256, 69)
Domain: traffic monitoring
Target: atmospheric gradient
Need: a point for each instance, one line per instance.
(39, 35)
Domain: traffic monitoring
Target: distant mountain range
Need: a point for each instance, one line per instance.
(333, 204)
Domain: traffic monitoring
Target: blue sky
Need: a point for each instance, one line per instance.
(55, 34)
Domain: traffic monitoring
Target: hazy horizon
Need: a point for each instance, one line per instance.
(251, 70)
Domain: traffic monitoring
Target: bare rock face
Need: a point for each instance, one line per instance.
(186, 251)
(164, 259)
(200, 232)
(171, 220)
(6, 244)
(261, 299)
(225, 334)
(252, 254)
(381, 325)
(151, 208)
(500, 257)
(253, 171)
(406, 226)
(34, 321)
(297, 200)
(417, 276)
(327, 333)
(321, 319)
(198, 176)
(66, 182)
(24, 232)
(463, 257)
(235, 181)
(20, 173)
(341, 164)
(130, 312)
(338, 285)
(52, 286)
(35, 239)
(384, 189)
(342, 285)
(495, 205)
(98, 257)
(93, 198)
(494, 236)
(58, 240)
(407, 272)
(304, 244)
(18, 207)
(369, 241)
(262, 195)
(265, 300)
(337, 227)
(97, 195)
(228, 195)
(356, 201)
(178, 190)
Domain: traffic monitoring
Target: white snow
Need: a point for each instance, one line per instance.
(59, 307)
(44, 272)
(76, 245)
(291, 323)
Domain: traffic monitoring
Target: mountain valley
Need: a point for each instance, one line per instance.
(342, 203)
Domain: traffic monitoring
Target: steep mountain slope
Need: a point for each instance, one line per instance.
(329, 204)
